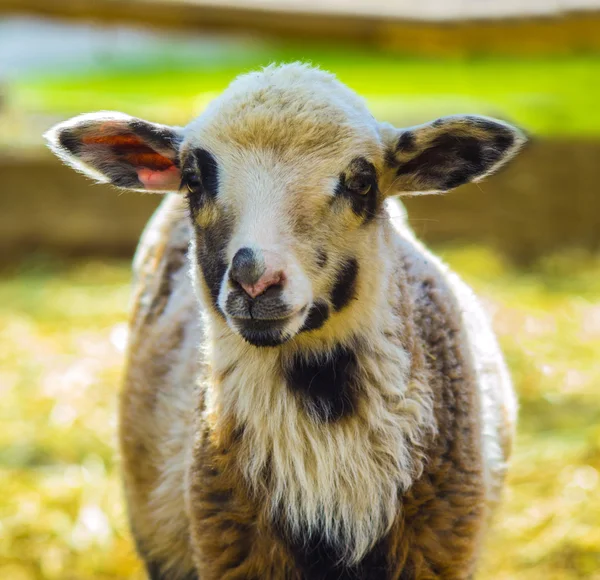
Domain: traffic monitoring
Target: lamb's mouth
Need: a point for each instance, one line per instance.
(265, 333)
(276, 331)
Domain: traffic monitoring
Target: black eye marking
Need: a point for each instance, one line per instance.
(344, 289)
(211, 243)
(200, 179)
(358, 186)
(191, 181)
(209, 171)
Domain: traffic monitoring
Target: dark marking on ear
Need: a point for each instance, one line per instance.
(406, 142)
(122, 177)
(158, 136)
(317, 316)
(211, 245)
(493, 127)
(119, 149)
(455, 179)
(449, 161)
(344, 289)
(326, 383)
(69, 141)
(504, 141)
(363, 172)
(462, 150)
(322, 258)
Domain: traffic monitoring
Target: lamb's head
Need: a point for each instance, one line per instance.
(285, 175)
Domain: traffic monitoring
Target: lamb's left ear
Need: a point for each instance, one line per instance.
(121, 150)
(448, 152)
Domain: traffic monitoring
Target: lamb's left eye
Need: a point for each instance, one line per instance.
(360, 184)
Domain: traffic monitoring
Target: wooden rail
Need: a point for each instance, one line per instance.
(378, 23)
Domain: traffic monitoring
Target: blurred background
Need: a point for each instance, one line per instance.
(527, 239)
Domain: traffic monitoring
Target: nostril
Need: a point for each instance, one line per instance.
(269, 280)
(246, 267)
(273, 291)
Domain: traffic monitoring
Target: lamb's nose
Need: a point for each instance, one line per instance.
(253, 273)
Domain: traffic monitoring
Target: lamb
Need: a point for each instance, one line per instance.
(309, 392)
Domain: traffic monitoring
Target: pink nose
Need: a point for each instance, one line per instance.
(256, 271)
(268, 279)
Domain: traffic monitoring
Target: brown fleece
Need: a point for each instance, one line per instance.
(436, 533)
(437, 529)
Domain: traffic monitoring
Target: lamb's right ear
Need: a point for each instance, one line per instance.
(121, 150)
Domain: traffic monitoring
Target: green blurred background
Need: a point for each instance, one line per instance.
(528, 240)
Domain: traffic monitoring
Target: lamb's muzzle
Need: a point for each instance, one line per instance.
(257, 271)
(256, 304)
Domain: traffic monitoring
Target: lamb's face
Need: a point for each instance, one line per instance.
(276, 241)
(283, 187)
(285, 176)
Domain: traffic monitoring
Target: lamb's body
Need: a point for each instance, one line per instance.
(313, 396)
(195, 503)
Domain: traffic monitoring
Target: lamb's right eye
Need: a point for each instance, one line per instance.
(199, 178)
(193, 183)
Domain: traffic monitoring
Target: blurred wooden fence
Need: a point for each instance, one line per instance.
(425, 27)
(545, 201)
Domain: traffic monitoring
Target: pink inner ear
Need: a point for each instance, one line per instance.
(166, 180)
(155, 171)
